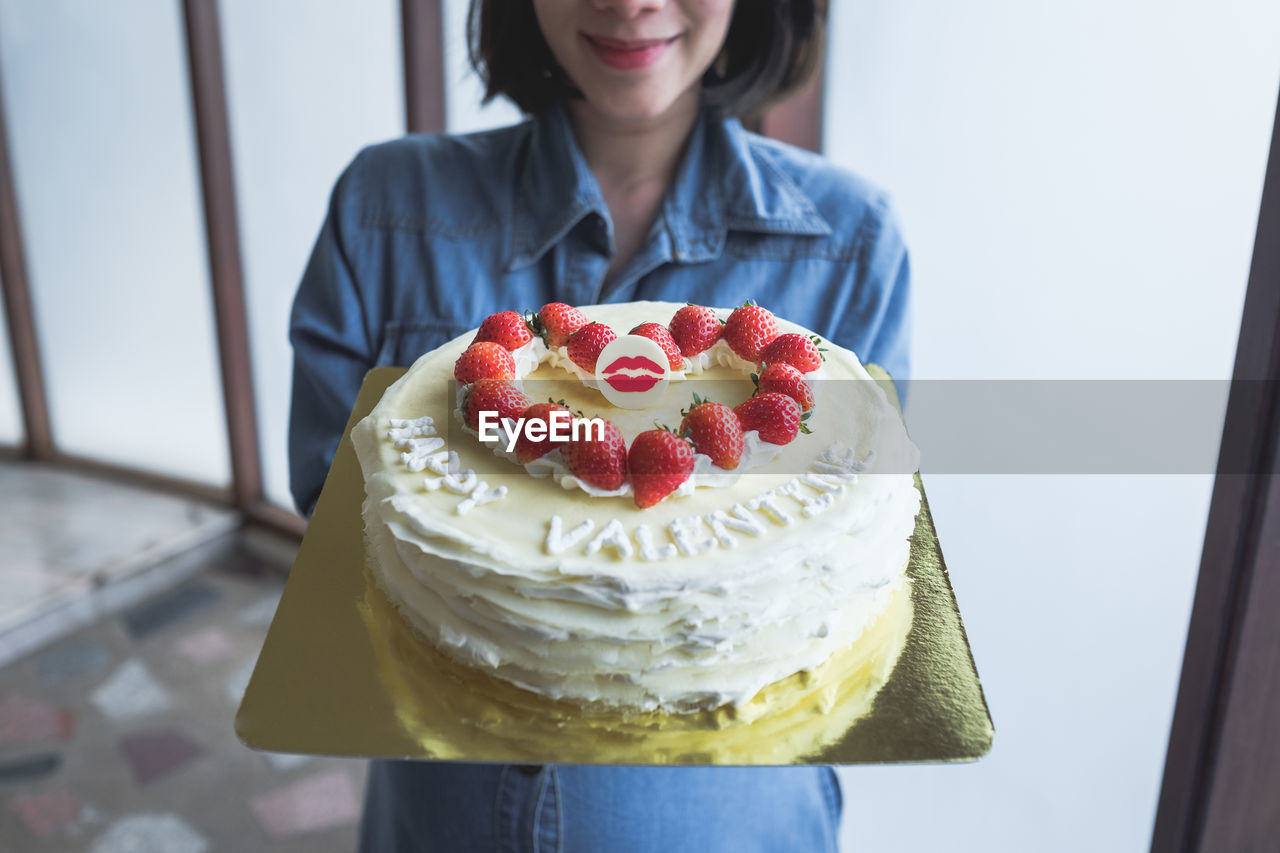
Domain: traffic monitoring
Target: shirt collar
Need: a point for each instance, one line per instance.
(724, 183)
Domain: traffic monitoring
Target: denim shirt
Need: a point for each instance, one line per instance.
(427, 235)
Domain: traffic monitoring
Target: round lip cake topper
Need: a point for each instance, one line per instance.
(632, 372)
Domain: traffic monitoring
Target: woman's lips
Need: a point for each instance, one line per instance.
(627, 54)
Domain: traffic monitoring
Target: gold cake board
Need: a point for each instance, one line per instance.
(338, 675)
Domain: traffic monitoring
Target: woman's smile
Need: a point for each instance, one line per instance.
(634, 61)
(628, 54)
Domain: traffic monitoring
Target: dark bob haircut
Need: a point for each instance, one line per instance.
(771, 50)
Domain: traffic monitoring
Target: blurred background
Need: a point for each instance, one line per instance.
(1079, 186)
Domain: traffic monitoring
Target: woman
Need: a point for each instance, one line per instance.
(630, 181)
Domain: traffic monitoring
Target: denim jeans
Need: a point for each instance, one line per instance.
(428, 806)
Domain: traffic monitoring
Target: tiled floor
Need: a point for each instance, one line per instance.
(119, 737)
(73, 548)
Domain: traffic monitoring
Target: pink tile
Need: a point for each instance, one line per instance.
(25, 720)
(46, 811)
(154, 754)
(322, 801)
(208, 645)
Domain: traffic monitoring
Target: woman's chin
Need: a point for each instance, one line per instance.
(632, 108)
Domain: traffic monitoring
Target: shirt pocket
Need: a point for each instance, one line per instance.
(404, 341)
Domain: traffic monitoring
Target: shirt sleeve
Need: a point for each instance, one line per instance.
(333, 346)
(876, 322)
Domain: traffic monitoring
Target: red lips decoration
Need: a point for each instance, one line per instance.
(646, 373)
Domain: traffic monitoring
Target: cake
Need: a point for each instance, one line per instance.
(454, 711)
(711, 582)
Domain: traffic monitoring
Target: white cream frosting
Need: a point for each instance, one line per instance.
(699, 601)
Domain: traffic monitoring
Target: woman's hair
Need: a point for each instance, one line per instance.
(771, 50)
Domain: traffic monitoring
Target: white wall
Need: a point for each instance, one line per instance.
(305, 93)
(104, 163)
(1079, 186)
(103, 155)
(12, 432)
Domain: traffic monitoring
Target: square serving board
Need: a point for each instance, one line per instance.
(321, 684)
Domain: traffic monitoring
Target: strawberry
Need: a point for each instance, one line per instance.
(507, 328)
(557, 322)
(750, 329)
(795, 349)
(528, 449)
(493, 395)
(714, 430)
(600, 462)
(661, 335)
(485, 360)
(775, 416)
(694, 328)
(586, 343)
(659, 461)
(784, 379)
